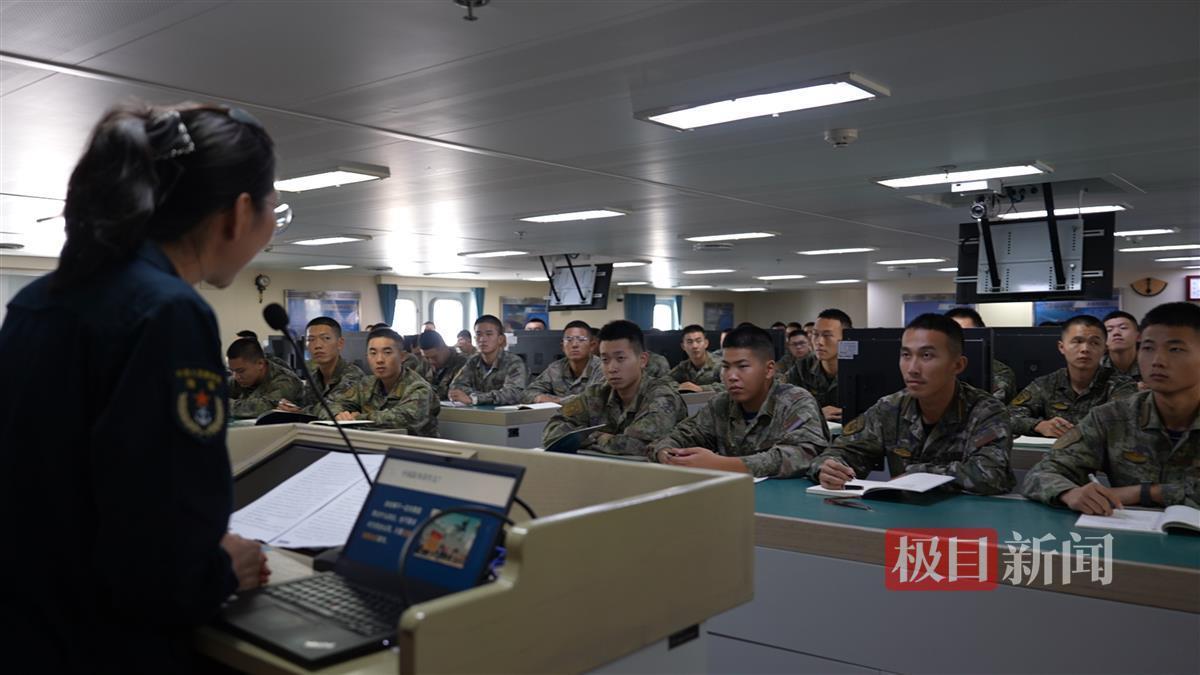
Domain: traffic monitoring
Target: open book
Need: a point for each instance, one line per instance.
(909, 482)
(529, 406)
(1178, 517)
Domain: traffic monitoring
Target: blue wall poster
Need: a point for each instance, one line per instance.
(514, 312)
(718, 316)
(928, 303)
(304, 306)
(1058, 311)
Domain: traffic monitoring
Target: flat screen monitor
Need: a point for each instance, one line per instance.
(1030, 352)
(537, 348)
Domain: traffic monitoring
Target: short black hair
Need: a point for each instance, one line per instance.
(793, 333)
(779, 324)
(746, 323)
(1177, 314)
(245, 348)
(1118, 314)
(810, 323)
(491, 320)
(464, 333)
(836, 315)
(623, 330)
(430, 339)
(967, 313)
(691, 328)
(326, 321)
(247, 334)
(942, 324)
(537, 319)
(386, 332)
(794, 325)
(1084, 320)
(753, 338)
(1046, 324)
(410, 342)
(578, 324)
(428, 323)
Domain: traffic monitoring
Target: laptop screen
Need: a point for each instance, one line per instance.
(454, 551)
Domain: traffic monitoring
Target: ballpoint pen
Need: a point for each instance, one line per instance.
(850, 502)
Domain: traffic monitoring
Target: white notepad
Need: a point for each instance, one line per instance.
(1177, 517)
(529, 406)
(909, 482)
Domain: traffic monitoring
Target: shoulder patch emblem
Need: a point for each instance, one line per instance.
(853, 426)
(573, 407)
(199, 406)
(1134, 456)
(1072, 436)
(1060, 406)
(902, 452)
(1021, 398)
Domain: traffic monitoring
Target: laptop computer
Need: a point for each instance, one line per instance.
(353, 610)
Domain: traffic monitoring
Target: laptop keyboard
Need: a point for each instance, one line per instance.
(356, 608)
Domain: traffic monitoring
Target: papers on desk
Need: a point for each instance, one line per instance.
(761, 479)
(1174, 517)
(455, 404)
(909, 482)
(316, 508)
(1034, 440)
(344, 423)
(529, 406)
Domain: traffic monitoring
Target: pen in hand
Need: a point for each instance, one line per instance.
(1092, 479)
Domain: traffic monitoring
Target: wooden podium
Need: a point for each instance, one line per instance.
(621, 556)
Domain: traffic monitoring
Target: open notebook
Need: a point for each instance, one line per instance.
(529, 406)
(1178, 517)
(910, 482)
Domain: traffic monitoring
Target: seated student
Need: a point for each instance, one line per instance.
(798, 348)
(569, 375)
(936, 424)
(535, 323)
(1147, 444)
(428, 326)
(443, 362)
(635, 410)
(657, 366)
(493, 375)
(1122, 340)
(595, 342)
(756, 425)
(392, 396)
(261, 384)
(463, 343)
(1004, 380)
(1052, 404)
(332, 375)
(270, 357)
(779, 325)
(412, 358)
(699, 371)
(818, 373)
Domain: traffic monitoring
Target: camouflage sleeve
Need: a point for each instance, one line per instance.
(1004, 382)
(348, 399)
(464, 380)
(251, 405)
(288, 386)
(984, 468)
(1186, 491)
(679, 372)
(411, 412)
(264, 399)
(805, 435)
(571, 416)
(515, 377)
(1027, 410)
(655, 420)
(345, 386)
(697, 431)
(1127, 386)
(1067, 465)
(542, 385)
(860, 446)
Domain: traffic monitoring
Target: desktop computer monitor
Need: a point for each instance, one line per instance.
(538, 348)
(869, 365)
(282, 347)
(1031, 352)
(355, 349)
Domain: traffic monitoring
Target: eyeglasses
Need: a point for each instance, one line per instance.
(578, 339)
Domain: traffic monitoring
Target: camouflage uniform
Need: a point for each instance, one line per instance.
(708, 375)
(236, 390)
(782, 366)
(558, 380)
(1051, 396)
(808, 374)
(410, 405)
(276, 385)
(346, 376)
(780, 441)
(1134, 373)
(1126, 440)
(502, 384)
(655, 410)
(658, 366)
(1004, 382)
(440, 378)
(971, 441)
(419, 366)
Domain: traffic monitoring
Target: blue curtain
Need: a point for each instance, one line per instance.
(679, 311)
(478, 292)
(639, 308)
(387, 301)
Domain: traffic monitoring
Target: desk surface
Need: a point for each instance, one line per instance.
(488, 414)
(787, 498)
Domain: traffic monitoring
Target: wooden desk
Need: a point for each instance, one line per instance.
(821, 604)
(488, 426)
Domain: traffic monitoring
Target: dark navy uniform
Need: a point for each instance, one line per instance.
(115, 481)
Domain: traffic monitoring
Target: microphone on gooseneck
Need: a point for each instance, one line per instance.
(277, 318)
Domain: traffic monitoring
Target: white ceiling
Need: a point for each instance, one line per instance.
(530, 110)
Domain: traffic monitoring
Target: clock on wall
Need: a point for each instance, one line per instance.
(261, 282)
(1148, 287)
(1192, 284)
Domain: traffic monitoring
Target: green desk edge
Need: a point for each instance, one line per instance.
(787, 498)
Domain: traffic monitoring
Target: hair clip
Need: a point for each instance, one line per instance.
(169, 130)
